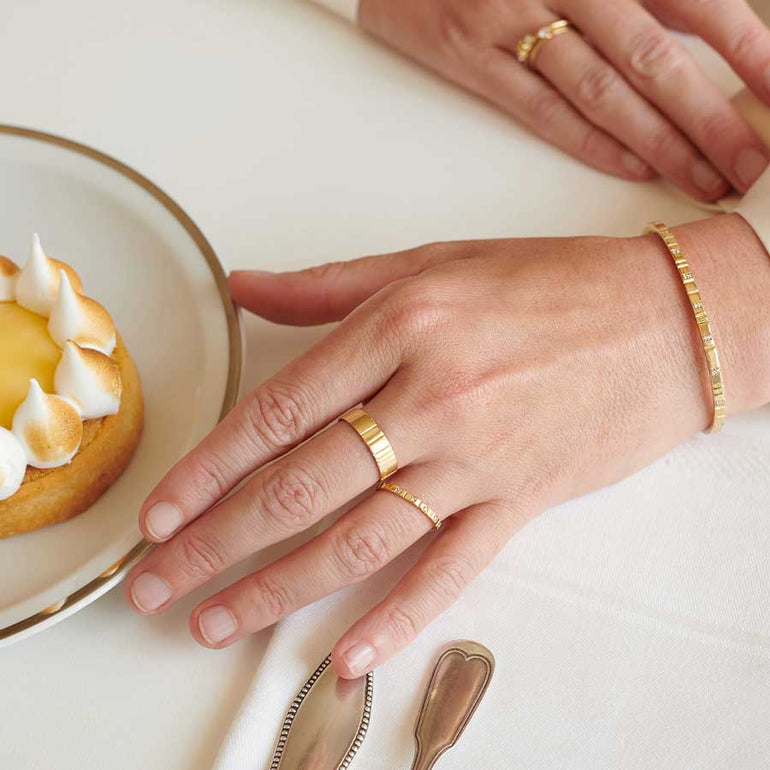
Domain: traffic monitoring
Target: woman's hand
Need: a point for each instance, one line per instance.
(509, 376)
(630, 102)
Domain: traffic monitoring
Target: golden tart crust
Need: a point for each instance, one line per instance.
(50, 496)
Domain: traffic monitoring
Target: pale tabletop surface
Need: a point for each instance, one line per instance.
(291, 139)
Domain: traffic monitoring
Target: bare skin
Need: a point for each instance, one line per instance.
(509, 375)
(631, 102)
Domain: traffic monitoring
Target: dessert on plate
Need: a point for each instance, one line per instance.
(71, 407)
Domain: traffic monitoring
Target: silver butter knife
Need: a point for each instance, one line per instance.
(326, 722)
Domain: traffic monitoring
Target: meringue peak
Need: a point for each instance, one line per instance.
(80, 319)
(37, 255)
(48, 428)
(90, 379)
(13, 464)
(38, 281)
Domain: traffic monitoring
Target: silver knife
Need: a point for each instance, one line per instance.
(326, 723)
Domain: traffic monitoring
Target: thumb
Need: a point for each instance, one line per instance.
(328, 292)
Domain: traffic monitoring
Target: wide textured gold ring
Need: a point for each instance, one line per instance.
(420, 505)
(528, 47)
(375, 440)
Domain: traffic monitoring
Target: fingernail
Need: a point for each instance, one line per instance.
(162, 520)
(216, 624)
(150, 592)
(255, 273)
(358, 658)
(707, 178)
(749, 164)
(635, 166)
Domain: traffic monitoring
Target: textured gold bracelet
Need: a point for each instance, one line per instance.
(701, 318)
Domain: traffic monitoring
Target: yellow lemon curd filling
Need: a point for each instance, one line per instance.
(26, 351)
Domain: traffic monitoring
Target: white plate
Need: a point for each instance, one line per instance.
(141, 256)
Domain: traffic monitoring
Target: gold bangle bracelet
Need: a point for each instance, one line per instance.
(701, 318)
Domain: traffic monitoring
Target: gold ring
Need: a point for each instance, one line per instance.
(421, 506)
(375, 440)
(527, 48)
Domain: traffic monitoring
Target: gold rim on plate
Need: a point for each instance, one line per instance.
(114, 573)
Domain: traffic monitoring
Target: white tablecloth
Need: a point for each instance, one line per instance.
(631, 630)
(293, 139)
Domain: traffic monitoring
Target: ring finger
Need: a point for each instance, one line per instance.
(281, 501)
(605, 98)
(359, 544)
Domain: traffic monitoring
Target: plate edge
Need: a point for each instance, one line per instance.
(114, 574)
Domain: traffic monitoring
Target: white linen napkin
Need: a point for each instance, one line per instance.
(631, 630)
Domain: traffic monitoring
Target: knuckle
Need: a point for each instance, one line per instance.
(654, 55)
(545, 108)
(591, 143)
(454, 33)
(277, 416)
(460, 392)
(663, 142)
(360, 554)
(268, 597)
(597, 87)
(400, 624)
(715, 127)
(412, 309)
(329, 273)
(747, 42)
(201, 557)
(209, 479)
(290, 496)
(466, 25)
(451, 574)
(450, 397)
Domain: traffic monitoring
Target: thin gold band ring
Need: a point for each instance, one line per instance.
(375, 440)
(421, 505)
(529, 46)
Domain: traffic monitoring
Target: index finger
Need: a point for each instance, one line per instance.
(305, 396)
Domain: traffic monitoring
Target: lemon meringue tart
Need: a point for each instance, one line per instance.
(71, 408)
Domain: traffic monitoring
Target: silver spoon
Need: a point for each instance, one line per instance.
(459, 681)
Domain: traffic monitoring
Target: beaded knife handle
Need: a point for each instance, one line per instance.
(460, 679)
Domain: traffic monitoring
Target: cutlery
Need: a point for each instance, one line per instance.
(326, 723)
(460, 679)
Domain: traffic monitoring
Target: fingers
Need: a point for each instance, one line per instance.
(660, 69)
(301, 399)
(530, 99)
(667, 15)
(355, 547)
(606, 98)
(283, 500)
(733, 29)
(329, 292)
(464, 547)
